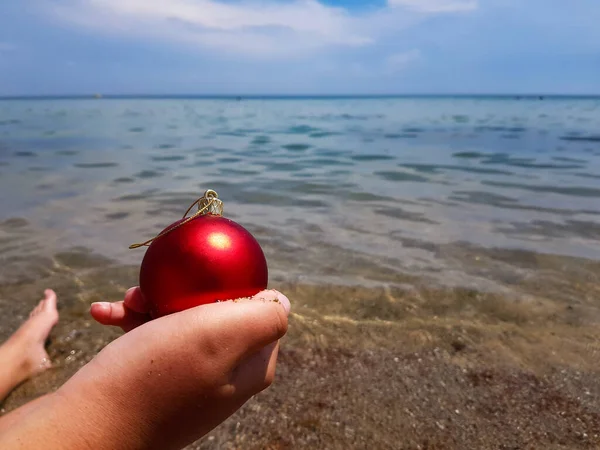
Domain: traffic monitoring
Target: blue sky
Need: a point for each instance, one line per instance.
(53, 47)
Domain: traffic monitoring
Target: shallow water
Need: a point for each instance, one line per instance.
(317, 180)
(389, 194)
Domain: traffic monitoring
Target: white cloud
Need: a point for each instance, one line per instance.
(263, 28)
(436, 6)
(399, 61)
(253, 27)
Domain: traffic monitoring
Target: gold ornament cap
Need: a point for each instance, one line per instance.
(209, 203)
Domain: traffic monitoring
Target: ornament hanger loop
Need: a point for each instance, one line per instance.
(209, 203)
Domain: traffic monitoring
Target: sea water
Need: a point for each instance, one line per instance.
(318, 180)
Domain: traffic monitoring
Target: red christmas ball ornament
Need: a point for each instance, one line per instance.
(201, 259)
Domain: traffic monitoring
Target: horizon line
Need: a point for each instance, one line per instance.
(100, 96)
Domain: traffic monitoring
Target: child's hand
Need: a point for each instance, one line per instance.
(162, 385)
(181, 375)
(133, 310)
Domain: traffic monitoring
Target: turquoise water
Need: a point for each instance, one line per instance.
(315, 179)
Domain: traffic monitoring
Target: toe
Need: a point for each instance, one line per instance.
(50, 301)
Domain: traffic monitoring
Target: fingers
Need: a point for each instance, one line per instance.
(235, 330)
(118, 315)
(227, 332)
(127, 314)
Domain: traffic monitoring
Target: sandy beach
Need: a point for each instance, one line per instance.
(404, 363)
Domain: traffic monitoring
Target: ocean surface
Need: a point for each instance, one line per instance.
(321, 182)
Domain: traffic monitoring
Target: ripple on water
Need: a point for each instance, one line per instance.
(567, 159)
(260, 140)
(135, 197)
(234, 133)
(10, 122)
(117, 215)
(168, 158)
(358, 116)
(460, 118)
(199, 163)
(533, 165)
(401, 176)
(229, 159)
(399, 213)
(570, 228)
(499, 129)
(319, 162)
(67, 152)
(401, 135)
(337, 172)
(137, 130)
(470, 155)
(165, 146)
(588, 175)
(322, 134)
(225, 189)
(439, 168)
(503, 158)
(330, 152)
(269, 198)
(296, 147)
(574, 191)
(413, 130)
(306, 187)
(366, 197)
(97, 165)
(371, 157)
(25, 154)
(487, 198)
(123, 180)
(581, 138)
(149, 174)
(229, 171)
(302, 129)
(282, 166)
(209, 151)
(500, 201)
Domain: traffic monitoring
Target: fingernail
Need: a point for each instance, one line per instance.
(285, 302)
(102, 305)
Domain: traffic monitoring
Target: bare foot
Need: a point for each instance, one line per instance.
(24, 355)
(31, 336)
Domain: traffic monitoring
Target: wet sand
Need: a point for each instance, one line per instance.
(397, 360)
